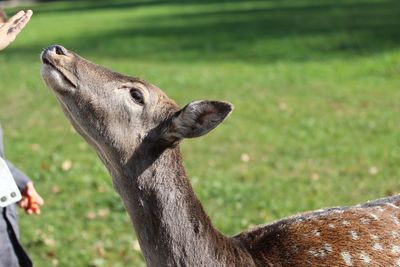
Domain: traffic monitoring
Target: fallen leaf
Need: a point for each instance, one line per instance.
(97, 262)
(100, 249)
(101, 189)
(50, 254)
(314, 176)
(49, 241)
(283, 106)
(245, 157)
(66, 165)
(55, 189)
(35, 147)
(91, 215)
(135, 245)
(373, 170)
(103, 213)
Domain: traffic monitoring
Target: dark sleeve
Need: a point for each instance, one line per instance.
(21, 179)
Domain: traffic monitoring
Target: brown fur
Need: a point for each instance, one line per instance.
(319, 238)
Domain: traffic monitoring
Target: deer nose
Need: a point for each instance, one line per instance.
(58, 49)
(52, 50)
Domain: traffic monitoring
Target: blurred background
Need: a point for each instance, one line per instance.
(316, 89)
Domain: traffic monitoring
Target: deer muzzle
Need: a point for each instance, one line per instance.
(58, 68)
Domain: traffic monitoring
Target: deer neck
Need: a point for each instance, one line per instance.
(171, 225)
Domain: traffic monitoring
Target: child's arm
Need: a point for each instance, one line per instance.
(21, 179)
(31, 200)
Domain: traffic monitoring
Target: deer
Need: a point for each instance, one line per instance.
(136, 129)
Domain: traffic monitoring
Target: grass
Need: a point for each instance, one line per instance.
(315, 86)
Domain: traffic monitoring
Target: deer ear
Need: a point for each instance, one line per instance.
(196, 119)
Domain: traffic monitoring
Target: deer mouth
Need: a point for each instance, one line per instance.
(54, 73)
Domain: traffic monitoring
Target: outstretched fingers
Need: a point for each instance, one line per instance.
(19, 22)
(16, 17)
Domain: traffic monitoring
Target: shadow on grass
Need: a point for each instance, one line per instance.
(93, 5)
(254, 31)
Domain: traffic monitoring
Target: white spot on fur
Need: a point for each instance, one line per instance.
(346, 223)
(394, 234)
(331, 225)
(395, 249)
(282, 226)
(395, 220)
(379, 208)
(374, 216)
(328, 247)
(398, 263)
(365, 220)
(316, 233)
(392, 205)
(374, 237)
(313, 253)
(364, 257)
(377, 247)
(354, 235)
(320, 253)
(347, 258)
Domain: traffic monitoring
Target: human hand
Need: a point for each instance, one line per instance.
(10, 29)
(31, 200)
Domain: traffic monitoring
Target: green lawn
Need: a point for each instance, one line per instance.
(316, 89)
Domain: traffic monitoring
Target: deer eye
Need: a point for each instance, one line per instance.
(137, 96)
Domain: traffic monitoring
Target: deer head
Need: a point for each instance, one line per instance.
(116, 113)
